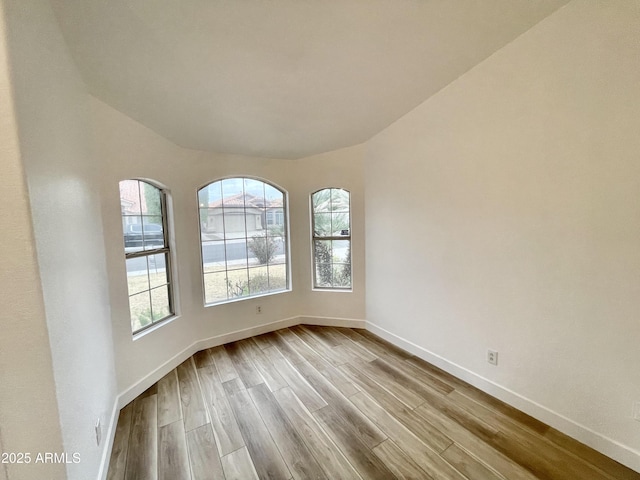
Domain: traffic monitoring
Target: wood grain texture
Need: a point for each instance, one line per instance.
(120, 449)
(610, 467)
(316, 343)
(426, 458)
(152, 390)
(421, 428)
(225, 428)
(355, 348)
(169, 408)
(325, 335)
(290, 353)
(269, 373)
(238, 466)
(388, 349)
(463, 437)
(339, 403)
(466, 463)
(193, 409)
(337, 379)
(399, 462)
(223, 363)
(408, 381)
(359, 454)
(331, 459)
(142, 457)
(202, 358)
(263, 341)
(464, 417)
(394, 385)
(355, 334)
(305, 392)
(368, 433)
(243, 364)
(543, 460)
(173, 461)
(418, 374)
(519, 444)
(203, 454)
(295, 453)
(295, 343)
(264, 453)
(492, 417)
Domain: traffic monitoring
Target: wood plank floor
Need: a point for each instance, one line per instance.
(335, 403)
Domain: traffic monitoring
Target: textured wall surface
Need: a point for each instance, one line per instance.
(29, 410)
(61, 174)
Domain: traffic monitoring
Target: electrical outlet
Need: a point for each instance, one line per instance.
(258, 309)
(492, 357)
(98, 431)
(636, 411)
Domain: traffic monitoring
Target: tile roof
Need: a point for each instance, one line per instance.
(241, 200)
(132, 202)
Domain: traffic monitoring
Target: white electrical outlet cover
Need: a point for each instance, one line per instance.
(492, 357)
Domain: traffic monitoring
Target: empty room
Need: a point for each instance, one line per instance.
(343, 239)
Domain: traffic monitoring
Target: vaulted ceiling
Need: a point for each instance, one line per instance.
(281, 78)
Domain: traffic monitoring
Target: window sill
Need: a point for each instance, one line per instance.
(335, 290)
(142, 333)
(241, 299)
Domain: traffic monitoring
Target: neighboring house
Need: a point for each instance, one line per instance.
(229, 218)
(132, 204)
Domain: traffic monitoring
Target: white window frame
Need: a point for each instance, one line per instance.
(164, 249)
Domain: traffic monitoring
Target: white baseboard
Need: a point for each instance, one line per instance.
(332, 321)
(108, 446)
(597, 441)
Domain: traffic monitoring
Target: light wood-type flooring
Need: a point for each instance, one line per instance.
(312, 402)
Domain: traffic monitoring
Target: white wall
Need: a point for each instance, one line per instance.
(29, 410)
(61, 173)
(129, 150)
(503, 213)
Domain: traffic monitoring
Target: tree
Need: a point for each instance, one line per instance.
(152, 199)
(322, 253)
(344, 277)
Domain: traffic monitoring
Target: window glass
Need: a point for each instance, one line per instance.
(147, 256)
(243, 239)
(331, 239)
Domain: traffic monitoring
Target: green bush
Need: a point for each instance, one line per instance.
(263, 248)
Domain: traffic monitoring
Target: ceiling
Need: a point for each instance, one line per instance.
(281, 78)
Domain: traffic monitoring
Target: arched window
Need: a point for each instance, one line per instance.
(145, 231)
(244, 239)
(331, 237)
